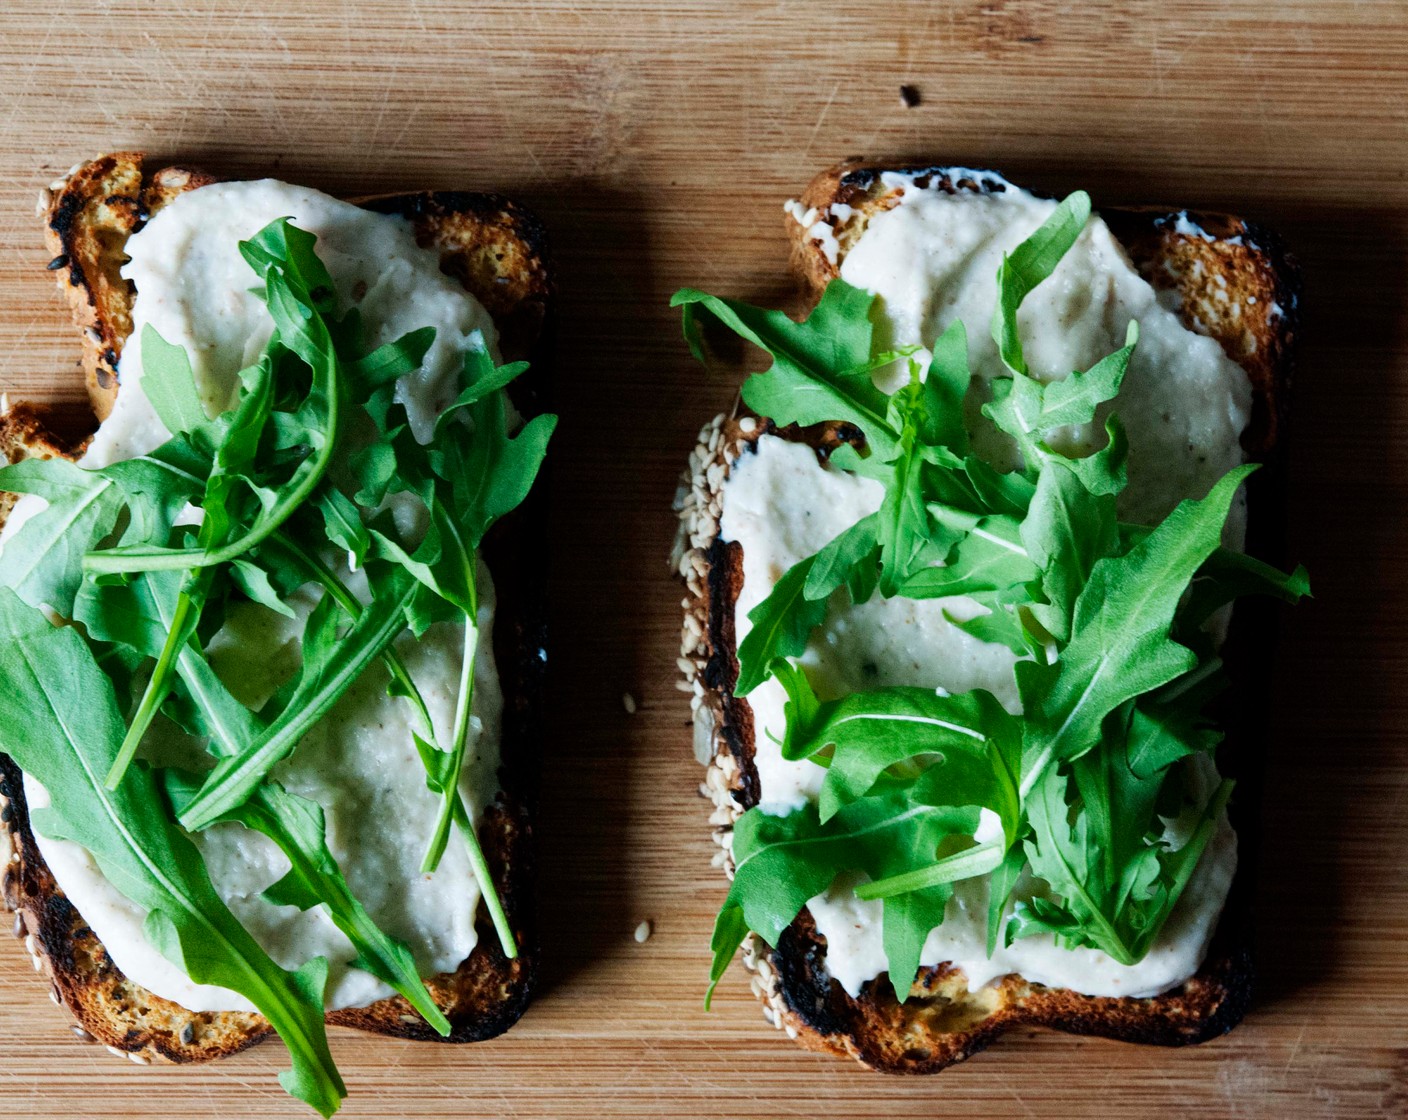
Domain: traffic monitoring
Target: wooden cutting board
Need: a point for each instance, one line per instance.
(659, 142)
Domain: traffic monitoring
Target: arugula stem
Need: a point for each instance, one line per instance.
(469, 572)
(425, 728)
(458, 739)
(486, 879)
(452, 808)
(967, 864)
(155, 694)
(459, 813)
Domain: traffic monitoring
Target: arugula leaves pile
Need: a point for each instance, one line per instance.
(305, 466)
(1107, 618)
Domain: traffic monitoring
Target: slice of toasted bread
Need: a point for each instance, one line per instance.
(942, 1022)
(498, 251)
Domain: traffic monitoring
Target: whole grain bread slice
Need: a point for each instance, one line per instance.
(498, 251)
(1233, 281)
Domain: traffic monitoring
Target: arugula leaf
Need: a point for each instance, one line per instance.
(1104, 471)
(781, 625)
(821, 367)
(1229, 575)
(1001, 884)
(1015, 409)
(390, 460)
(253, 579)
(1001, 625)
(945, 389)
(343, 522)
(970, 736)
(989, 557)
(1072, 400)
(902, 526)
(1116, 890)
(838, 560)
(389, 363)
(491, 475)
(283, 247)
(314, 878)
(907, 918)
(1160, 734)
(183, 624)
(782, 622)
(64, 730)
(1121, 646)
(160, 485)
(485, 379)
(1025, 408)
(169, 383)
(781, 862)
(41, 560)
(1027, 266)
(995, 492)
(1067, 530)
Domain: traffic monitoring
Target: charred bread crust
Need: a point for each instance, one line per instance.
(88, 217)
(477, 235)
(942, 1022)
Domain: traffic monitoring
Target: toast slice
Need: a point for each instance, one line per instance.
(1191, 257)
(498, 251)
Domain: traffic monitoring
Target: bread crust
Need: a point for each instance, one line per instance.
(942, 1022)
(499, 251)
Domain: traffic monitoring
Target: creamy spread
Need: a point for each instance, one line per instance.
(932, 259)
(360, 762)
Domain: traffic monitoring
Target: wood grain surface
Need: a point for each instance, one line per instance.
(659, 141)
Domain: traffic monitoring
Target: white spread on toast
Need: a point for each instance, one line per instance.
(360, 762)
(932, 259)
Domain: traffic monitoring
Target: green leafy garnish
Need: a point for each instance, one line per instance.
(67, 709)
(1114, 667)
(287, 481)
(169, 383)
(821, 368)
